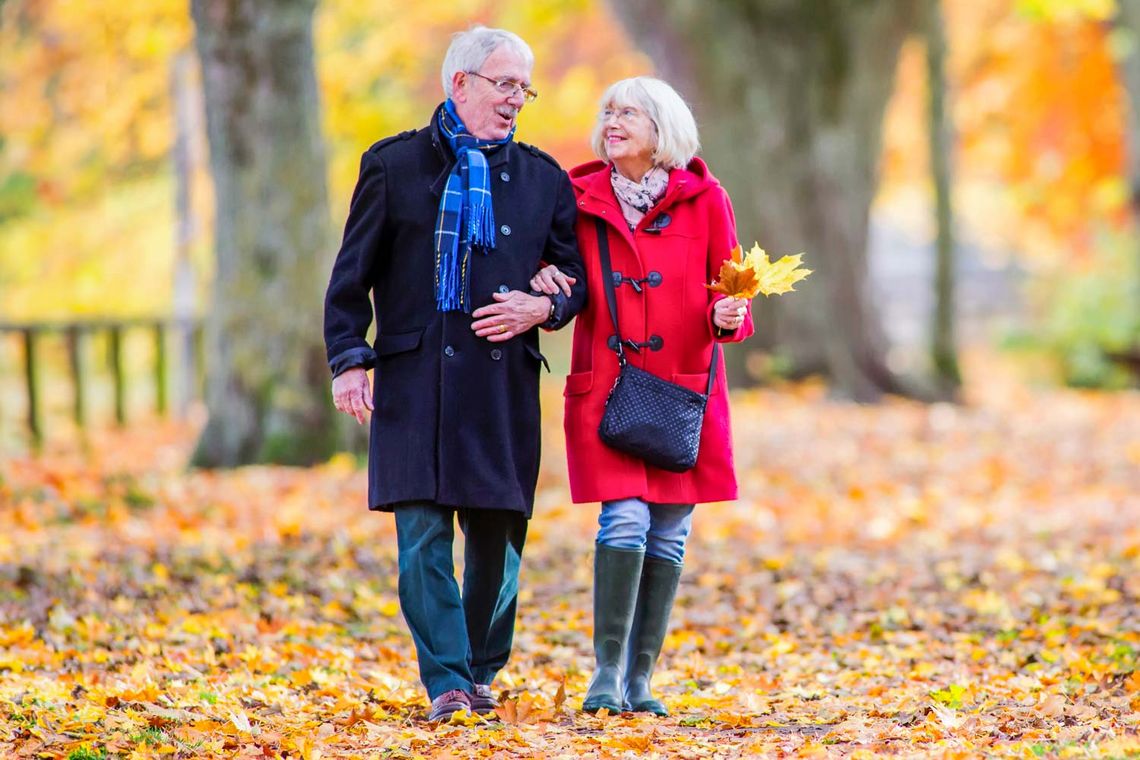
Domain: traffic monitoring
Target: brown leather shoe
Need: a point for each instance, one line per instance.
(483, 701)
(447, 704)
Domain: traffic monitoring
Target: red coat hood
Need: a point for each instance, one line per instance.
(591, 183)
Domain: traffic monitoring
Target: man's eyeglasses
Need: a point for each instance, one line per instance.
(509, 87)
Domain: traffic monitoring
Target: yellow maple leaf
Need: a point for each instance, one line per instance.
(778, 276)
(465, 718)
(747, 275)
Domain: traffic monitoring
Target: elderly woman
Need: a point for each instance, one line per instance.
(669, 226)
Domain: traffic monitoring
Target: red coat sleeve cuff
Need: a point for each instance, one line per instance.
(720, 335)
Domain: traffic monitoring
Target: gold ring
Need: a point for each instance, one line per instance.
(502, 328)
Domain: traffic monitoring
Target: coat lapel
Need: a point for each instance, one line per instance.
(598, 200)
(445, 157)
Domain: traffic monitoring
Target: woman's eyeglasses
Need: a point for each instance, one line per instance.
(624, 115)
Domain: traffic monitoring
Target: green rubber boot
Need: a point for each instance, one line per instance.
(617, 575)
(659, 581)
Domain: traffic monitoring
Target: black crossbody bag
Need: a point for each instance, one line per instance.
(647, 417)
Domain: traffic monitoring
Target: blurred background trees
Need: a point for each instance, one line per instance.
(817, 115)
(791, 99)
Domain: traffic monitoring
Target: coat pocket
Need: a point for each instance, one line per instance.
(578, 383)
(698, 383)
(398, 343)
(536, 355)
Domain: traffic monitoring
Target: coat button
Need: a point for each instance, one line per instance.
(504, 289)
(449, 351)
(505, 229)
(496, 354)
(505, 177)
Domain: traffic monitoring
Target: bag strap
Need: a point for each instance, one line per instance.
(608, 282)
(611, 302)
(712, 368)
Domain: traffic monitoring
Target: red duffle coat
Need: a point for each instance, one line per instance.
(677, 248)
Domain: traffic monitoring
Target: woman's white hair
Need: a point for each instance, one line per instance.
(469, 50)
(677, 140)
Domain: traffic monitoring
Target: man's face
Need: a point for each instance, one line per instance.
(488, 113)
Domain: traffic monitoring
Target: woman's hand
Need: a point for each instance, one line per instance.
(550, 280)
(728, 313)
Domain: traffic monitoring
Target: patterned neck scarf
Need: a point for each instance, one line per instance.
(466, 217)
(637, 198)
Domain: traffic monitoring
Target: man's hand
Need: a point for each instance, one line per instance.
(352, 394)
(550, 280)
(512, 314)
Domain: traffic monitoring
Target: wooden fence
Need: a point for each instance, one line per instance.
(76, 334)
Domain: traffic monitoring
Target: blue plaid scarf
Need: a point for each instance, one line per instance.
(466, 218)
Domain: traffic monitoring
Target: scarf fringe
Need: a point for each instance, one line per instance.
(448, 293)
(482, 229)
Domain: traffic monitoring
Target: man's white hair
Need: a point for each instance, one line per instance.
(677, 139)
(469, 50)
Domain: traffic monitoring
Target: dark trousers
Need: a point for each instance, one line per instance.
(460, 640)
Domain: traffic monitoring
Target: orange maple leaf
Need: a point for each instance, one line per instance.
(520, 710)
(639, 743)
(737, 278)
(357, 716)
(560, 697)
(507, 712)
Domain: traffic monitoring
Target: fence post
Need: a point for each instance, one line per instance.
(75, 343)
(116, 346)
(160, 368)
(31, 375)
(198, 349)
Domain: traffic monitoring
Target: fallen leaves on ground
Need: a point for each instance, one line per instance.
(895, 580)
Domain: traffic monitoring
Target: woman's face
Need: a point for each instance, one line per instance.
(629, 133)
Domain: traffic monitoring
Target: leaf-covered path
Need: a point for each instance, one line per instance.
(901, 579)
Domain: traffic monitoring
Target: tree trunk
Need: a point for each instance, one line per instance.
(790, 96)
(184, 306)
(944, 355)
(1128, 18)
(267, 381)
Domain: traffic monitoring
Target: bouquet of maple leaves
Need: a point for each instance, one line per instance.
(747, 275)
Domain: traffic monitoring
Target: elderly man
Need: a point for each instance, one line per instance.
(446, 227)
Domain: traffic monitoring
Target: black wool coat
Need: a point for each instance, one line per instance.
(456, 418)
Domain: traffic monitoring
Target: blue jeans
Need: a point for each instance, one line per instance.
(660, 529)
(460, 640)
